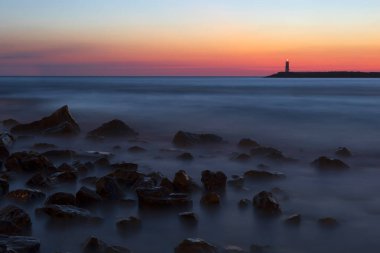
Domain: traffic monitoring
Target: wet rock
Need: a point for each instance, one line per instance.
(102, 163)
(241, 157)
(63, 177)
(117, 249)
(270, 154)
(25, 195)
(4, 153)
(27, 162)
(19, 244)
(86, 197)
(112, 129)
(236, 182)
(233, 249)
(266, 202)
(182, 182)
(328, 222)
(94, 245)
(186, 139)
(129, 224)
(39, 181)
(61, 198)
(44, 146)
(83, 168)
(14, 221)
(4, 187)
(248, 143)
(343, 152)
(136, 149)
(127, 177)
(256, 248)
(60, 123)
(197, 245)
(108, 189)
(325, 163)
(6, 139)
(9, 123)
(161, 197)
(166, 183)
(210, 198)
(214, 181)
(67, 212)
(60, 154)
(189, 218)
(294, 219)
(263, 175)
(185, 157)
(244, 203)
(125, 166)
(89, 180)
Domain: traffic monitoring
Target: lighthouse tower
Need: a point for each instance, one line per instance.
(287, 66)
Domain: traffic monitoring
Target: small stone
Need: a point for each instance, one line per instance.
(94, 245)
(186, 139)
(214, 181)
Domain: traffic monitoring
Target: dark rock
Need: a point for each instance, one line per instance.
(214, 181)
(136, 149)
(244, 203)
(248, 143)
(266, 202)
(102, 163)
(182, 182)
(255, 248)
(89, 180)
(27, 162)
(113, 129)
(68, 213)
(61, 198)
(233, 249)
(129, 224)
(63, 177)
(6, 139)
(186, 139)
(94, 245)
(161, 197)
(60, 123)
(328, 222)
(241, 157)
(294, 219)
(39, 181)
(25, 195)
(117, 249)
(116, 147)
(107, 188)
(263, 175)
(343, 152)
(4, 153)
(197, 245)
(236, 182)
(324, 163)
(19, 244)
(125, 166)
(166, 183)
(188, 217)
(210, 198)
(60, 154)
(185, 157)
(43, 146)
(270, 154)
(86, 197)
(9, 123)
(4, 187)
(127, 177)
(14, 221)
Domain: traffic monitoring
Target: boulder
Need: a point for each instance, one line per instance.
(263, 175)
(25, 195)
(43, 146)
(244, 203)
(39, 181)
(161, 197)
(127, 177)
(87, 197)
(63, 177)
(112, 129)
(210, 199)
(343, 152)
(108, 188)
(248, 143)
(186, 139)
(236, 182)
(136, 149)
(325, 163)
(60, 123)
(60, 155)
(166, 183)
(61, 198)
(241, 157)
(214, 181)
(266, 202)
(27, 162)
(4, 187)
(94, 245)
(196, 245)
(183, 182)
(19, 244)
(9, 123)
(185, 157)
(14, 221)
(189, 218)
(67, 213)
(129, 224)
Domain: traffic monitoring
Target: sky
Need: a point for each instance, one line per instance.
(187, 37)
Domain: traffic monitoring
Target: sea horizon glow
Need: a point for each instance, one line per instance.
(189, 38)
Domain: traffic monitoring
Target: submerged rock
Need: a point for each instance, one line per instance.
(129, 224)
(244, 203)
(43, 146)
(39, 181)
(136, 149)
(112, 129)
(9, 123)
(19, 244)
(248, 143)
(25, 195)
(108, 189)
(186, 139)
(27, 162)
(67, 212)
(185, 157)
(241, 157)
(270, 154)
(236, 182)
(343, 152)
(85, 197)
(328, 222)
(197, 245)
(263, 175)
(161, 197)
(64, 154)
(214, 181)
(14, 221)
(325, 163)
(266, 202)
(294, 219)
(183, 182)
(188, 217)
(210, 199)
(60, 123)
(61, 198)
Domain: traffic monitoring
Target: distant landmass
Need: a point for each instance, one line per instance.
(332, 74)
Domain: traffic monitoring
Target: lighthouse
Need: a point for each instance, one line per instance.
(287, 66)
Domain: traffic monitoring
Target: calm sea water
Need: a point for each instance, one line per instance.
(303, 117)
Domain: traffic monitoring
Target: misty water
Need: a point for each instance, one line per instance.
(305, 118)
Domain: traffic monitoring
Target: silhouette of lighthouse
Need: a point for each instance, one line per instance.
(287, 66)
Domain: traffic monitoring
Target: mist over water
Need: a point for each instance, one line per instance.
(305, 118)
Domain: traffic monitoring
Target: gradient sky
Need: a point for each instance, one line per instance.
(187, 37)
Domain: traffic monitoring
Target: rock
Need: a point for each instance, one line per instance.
(63, 177)
(186, 139)
(241, 157)
(6, 139)
(25, 195)
(39, 181)
(94, 245)
(266, 202)
(129, 224)
(214, 181)
(127, 177)
(108, 189)
(4, 187)
(248, 143)
(233, 249)
(324, 163)
(244, 203)
(182, 182)
(185, 157)
(27, 162)
(117, 249)
(102, 163)
(19, 244)
(189, 218)
(87, 197)
(67, 213)
(210, 198)
(60, 155)
(255, 248)
(166, 183)
(136, 149)
(61, 198)
(113, 129)
(43, 146)
(4, 153)
(116, 148)
(60, 123)
(328, 222)
(161, 197)
(263, 175)
(9, 123)
(270, 154)
(125, 166)
(14, 221)
(343, 152)
(89, 180)
(236, 182)
(294, 219)
(195, 246)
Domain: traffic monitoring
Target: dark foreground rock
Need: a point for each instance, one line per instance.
(186, 139)
(19, 244)
(39, 181)
(263, 175)
(25, 195)
(325, 163)
(266, 202)
(4, 187)
(87, 197)
(196, 245)
(95, 245)
(108, 188)
(112, 129)
(182, 182)
(61, 198)
(68, 213)
(214, 181)
(14, 221)
(60, 123)
(27, 162)
(161, 197)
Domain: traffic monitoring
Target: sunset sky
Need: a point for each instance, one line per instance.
(187, 37)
